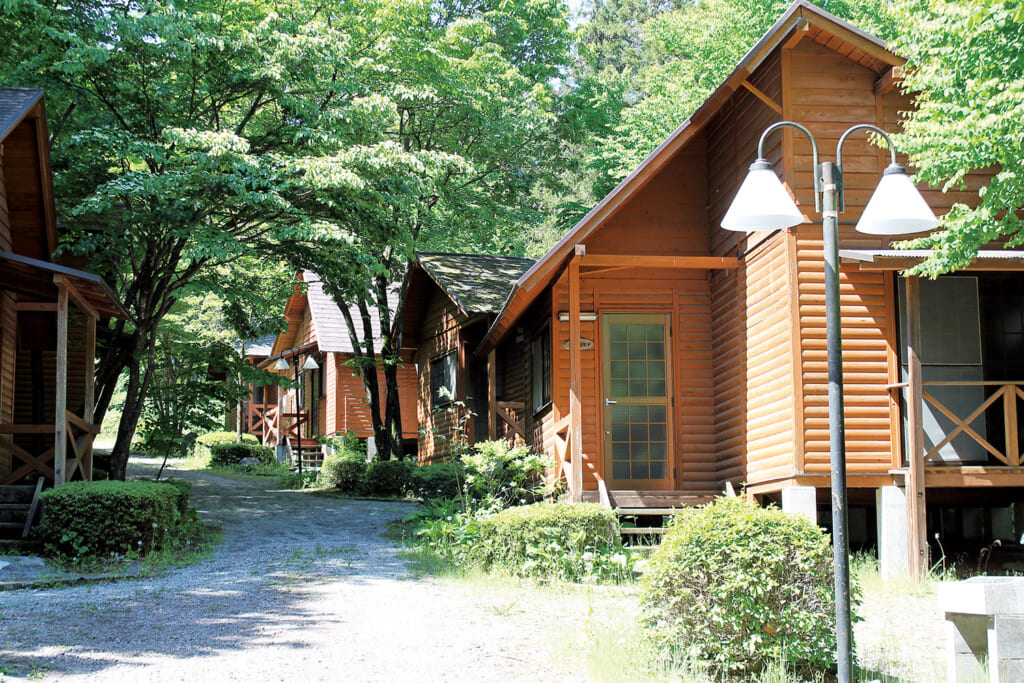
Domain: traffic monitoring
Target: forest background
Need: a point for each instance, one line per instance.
(204, 150)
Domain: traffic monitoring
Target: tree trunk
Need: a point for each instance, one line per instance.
(135, 396)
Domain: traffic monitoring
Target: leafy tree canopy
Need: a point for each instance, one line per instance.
(966, 69)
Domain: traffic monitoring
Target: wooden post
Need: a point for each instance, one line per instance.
(575, 379)
(492, 394)
(60, 414)
(917, 541)
(89, 408)
(1010, 420)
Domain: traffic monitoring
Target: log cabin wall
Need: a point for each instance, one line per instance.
(439, 335)
(752, 316)
(8, 353)
(24, 192)
(346, 408)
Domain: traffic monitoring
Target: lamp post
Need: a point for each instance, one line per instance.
(895, 208)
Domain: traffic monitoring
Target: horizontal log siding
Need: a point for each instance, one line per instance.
(8, 353)
(830, 93)
(24, 193)
(5, 218)
(751, 324)
(346, 408)
(438, 336)
(685, 297)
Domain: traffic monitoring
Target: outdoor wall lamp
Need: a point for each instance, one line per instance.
(281, 364)
(310, 364)
(895, 208)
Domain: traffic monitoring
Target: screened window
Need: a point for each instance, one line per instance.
(443, 372)
(541, 369)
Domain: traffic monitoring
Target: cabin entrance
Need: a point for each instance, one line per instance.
(637, 403)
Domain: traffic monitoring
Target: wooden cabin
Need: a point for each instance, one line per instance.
(48, 313)
(331, 399)
(667, 357)
(261, 397)
(451, 301)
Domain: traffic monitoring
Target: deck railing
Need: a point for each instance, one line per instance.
(79, 433)
(1006, 394)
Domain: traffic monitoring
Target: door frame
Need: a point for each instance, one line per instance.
(666, 318)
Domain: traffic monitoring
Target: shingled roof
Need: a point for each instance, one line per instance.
(477, 283)
(15, 103)
(329, 322)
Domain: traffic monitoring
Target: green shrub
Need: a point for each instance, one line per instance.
(570, 542)
(737, 586)
(442, 480)
(343, 470)
(91, 519)
(224, 454)
(201, 450)
(500, 475)
(387, 477)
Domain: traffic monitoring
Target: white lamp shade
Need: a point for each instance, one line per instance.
(762, 202)
(896, 207)
(310, 364)
(281, 364)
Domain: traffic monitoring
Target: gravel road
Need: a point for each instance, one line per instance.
(303, 588)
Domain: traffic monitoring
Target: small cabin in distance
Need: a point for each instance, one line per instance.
(48, 313)
(451, 301)
(680, 357)
(331, 398)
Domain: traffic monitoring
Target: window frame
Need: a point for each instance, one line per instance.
(540, 373)
(437, 400)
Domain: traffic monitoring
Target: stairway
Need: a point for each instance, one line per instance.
(19, 507)
(644, 513)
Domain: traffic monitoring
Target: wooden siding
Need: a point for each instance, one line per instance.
(346, 409)
(5, 218)
(438, 335)
(685, 296)
(8, 351)
(24, 192)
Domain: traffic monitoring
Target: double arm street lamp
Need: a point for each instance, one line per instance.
(895, 208)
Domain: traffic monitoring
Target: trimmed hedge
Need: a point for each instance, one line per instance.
(203, 443)
(223, 454)
(343, 470)
(102, 517)
(388, 477)
(441, 480)
(518, 538)
(737, 586)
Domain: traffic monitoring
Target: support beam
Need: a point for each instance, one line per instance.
(801, 500)
(492, 394)
(75, 295)
(917, 540)
(644, 261)
(60, 429)
(575, 379)
(891, 516)
(889, 80)
(89, 407)
(772, 104)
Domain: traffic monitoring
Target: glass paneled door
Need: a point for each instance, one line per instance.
(637, 401)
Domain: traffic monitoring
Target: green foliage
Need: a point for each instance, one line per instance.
(441, 480)
(92, 519)
(203, 453)
(344, 470)
(226, 454)
(500, 475)
(966, 68)
(568, 542)
(387, 477)
(738, 586)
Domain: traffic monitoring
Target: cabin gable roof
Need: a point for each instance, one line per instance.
(818, 25)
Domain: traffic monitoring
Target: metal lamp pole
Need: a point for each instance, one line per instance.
(896, 207)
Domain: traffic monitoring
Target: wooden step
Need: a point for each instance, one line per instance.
(642, 530)
(16, 506)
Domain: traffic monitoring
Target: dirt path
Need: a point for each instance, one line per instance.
(303, 588)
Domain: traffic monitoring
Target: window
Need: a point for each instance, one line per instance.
(443, 372)
(542, 369)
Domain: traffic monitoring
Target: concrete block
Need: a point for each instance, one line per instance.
(801, 500)
(891, 508)
(1006, 638)
(281, 453)
(990, 595)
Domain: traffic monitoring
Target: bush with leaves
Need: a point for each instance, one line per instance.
(737, 586)
(92, 519)
(501, 475)
(387, 477)
(568, 542)
(203, 443)
(342, 469)
(227, 454)
(440, 480)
